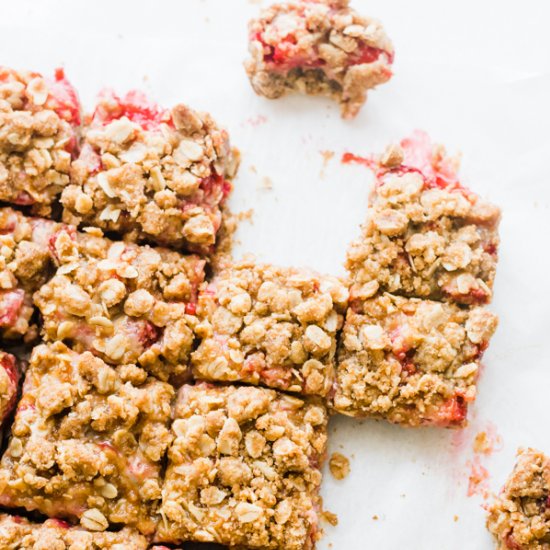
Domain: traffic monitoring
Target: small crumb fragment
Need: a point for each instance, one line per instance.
(267, 184)
(327, 156)
(339, 466)
(375, 517)
(455, 518)
(330, 517)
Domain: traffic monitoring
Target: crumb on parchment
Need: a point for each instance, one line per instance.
(339, 466)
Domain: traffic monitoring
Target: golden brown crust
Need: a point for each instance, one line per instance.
(126, 303)
(319, 48)
(244, 468)
(17, 533)
(88, 441)
(270, 326)
(519, 518)
(38, 120)
(411, 361)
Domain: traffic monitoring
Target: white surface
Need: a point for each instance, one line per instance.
(476, 75)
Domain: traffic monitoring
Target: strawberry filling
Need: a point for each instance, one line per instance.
(134, 105)
(11, 302)
(61, 524)
(63, 98)
(9, 364)
(452, 413)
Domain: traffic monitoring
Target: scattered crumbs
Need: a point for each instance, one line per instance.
(329, 517)
(455, 518)
(245, 215)
(375, 517)
(339, 466)
(253, 169)
(267, 184)
(487, 441)
(330, 544)
(327, 156)
(478, 478)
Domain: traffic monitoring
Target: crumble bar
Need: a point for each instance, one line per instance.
(319, 48)
(9, 381)
(88, 441)
(25, 264)
(18, 533)
(157, 175)
(426, 235)
(39, 118)
(244, 468)
(270, 326)
(411, 361)
(124, 302)
(519, 518)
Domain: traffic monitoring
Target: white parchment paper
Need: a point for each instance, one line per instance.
(476, 75)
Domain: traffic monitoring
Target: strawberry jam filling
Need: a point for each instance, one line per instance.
(452, 413)
(11, 302)
(134, 105)
(286, 54)
(63, 98)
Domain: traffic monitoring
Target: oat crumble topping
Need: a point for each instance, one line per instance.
(88, 441)
(320, 47)
(124, 302)
(411, 361)
(157, 175)
(25, 264)
(270, 326)
(244, 468)
(519, 518)
(339, 466)
(39, 118)
(9, 380)
(426, 235)
(18, 533)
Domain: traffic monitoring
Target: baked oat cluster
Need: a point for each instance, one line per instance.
(426, 235)
(271, 326)
(39, 120)
(519, 518)
(18, 533)
(124, 302)
(25, 264)
(411, 361)
(318, 47)
(88, 441)
(158, 175)
(243, 469)
(9, 379)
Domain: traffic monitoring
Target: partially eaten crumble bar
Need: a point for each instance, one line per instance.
(154, 174)
(319, 47)
(18, 533)
(9, 380)
(411, 361)
(88, 441)
(39, 118)
(426, 235)
(124, 302)
(244, 468)
(25, 264)
(519, 518)
(270, 326)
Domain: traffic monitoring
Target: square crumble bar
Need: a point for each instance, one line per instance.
(270, 326)
(88, 441)
(411, 361)
(124, 302)
(157, 175)
(25, 264)
(39, 120)
(426, 235)
(519, 518)
(18, 533)
(320, 48)
(244, 468)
